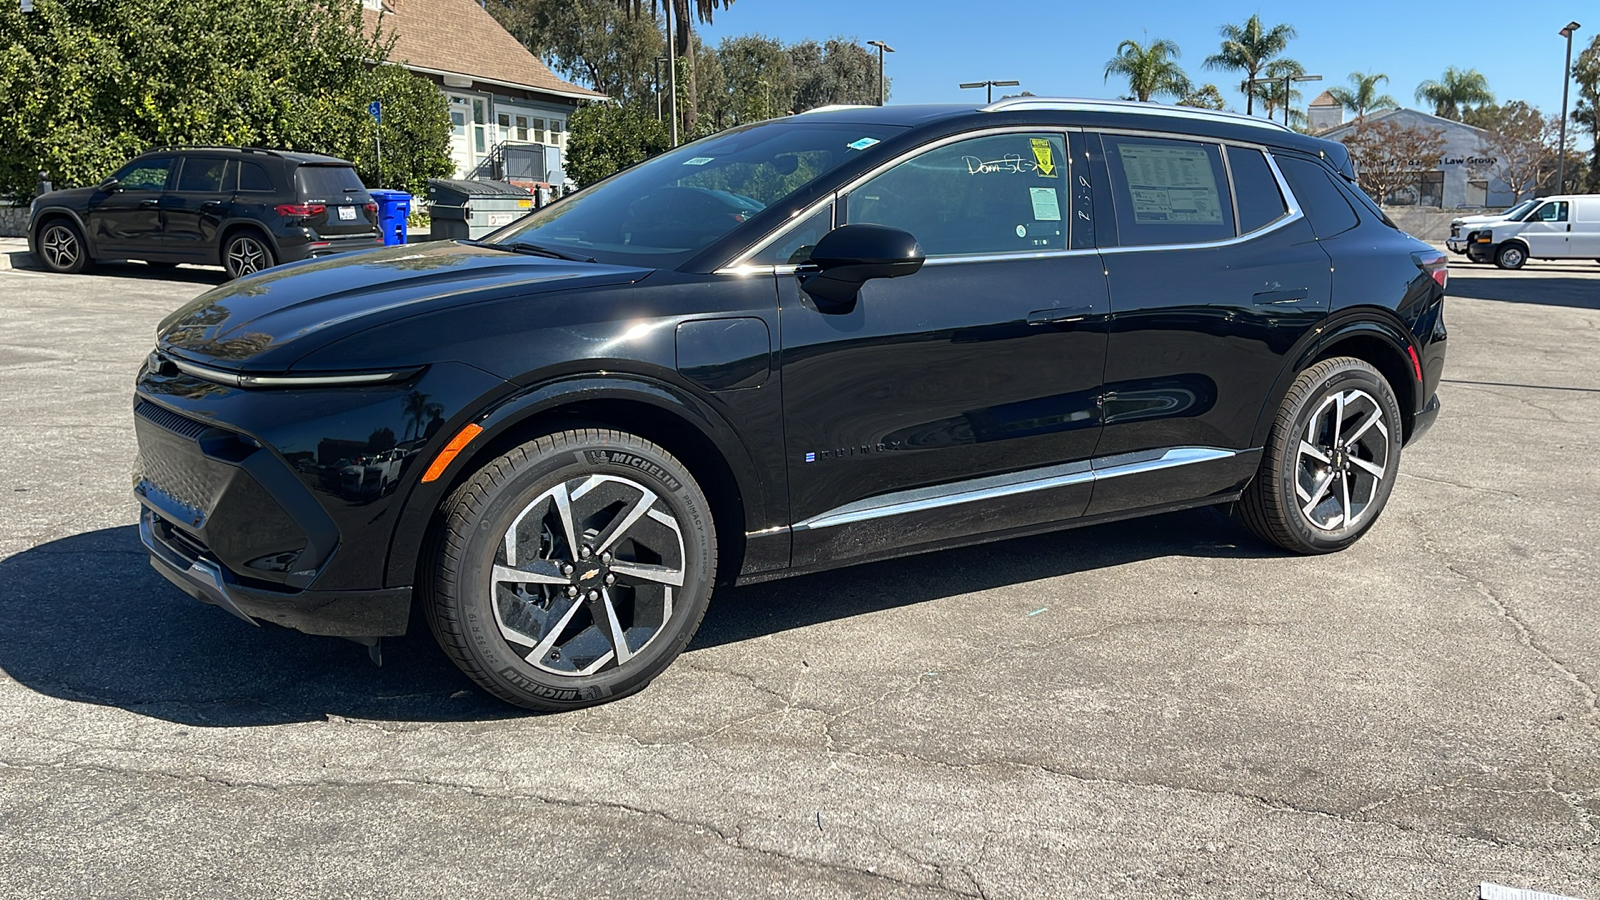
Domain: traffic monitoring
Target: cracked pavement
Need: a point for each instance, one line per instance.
(1162, 708)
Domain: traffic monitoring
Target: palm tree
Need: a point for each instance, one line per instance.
(1456, 90)
(1248, 48)
(1362, 95)
(683, 13)
(1272, 93)
(1150, 70)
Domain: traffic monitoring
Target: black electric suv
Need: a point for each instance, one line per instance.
(835, 337)
(242, 208)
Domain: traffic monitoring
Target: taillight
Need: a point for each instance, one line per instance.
(301, 209)
(1436, 264)
(371, 208)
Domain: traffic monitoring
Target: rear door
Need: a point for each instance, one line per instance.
(128, 220)
(347, 207)
(197, 205)
(962, 399)
(1214, 274)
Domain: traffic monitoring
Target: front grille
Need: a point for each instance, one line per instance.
(171, 421)
(1455, 231)
(171, 463)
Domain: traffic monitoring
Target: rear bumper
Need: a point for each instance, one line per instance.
(1424, 419)
(298, 247)
(379, 613)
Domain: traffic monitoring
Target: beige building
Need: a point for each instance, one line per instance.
(508, 111)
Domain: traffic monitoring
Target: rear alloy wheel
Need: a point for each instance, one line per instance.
(62, 249)
(245, 254)
(1510, 256)
(1331, 462)
(573, 570)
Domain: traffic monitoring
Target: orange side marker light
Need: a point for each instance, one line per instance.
(450, 451)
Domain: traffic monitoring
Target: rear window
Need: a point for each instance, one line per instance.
(329, 184)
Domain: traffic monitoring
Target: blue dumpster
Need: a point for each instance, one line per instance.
(394, 208)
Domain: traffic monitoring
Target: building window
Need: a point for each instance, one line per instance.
(557, 136)
(522, 128)
(538, 131)
(1477, 193)
(505, 127)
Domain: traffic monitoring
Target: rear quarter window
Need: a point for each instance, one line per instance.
(1320, 199)
(329, 184)
(1255, 189)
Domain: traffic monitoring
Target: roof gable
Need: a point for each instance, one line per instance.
(461, 38)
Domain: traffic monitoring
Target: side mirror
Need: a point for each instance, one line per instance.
(109, 186)
(850, 255)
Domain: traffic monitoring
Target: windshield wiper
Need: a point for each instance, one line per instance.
(534, 250)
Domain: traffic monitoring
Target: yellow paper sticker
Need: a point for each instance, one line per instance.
(1045, 157)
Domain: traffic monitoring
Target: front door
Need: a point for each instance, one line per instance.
(1210, 289)
(1547, 230)
(128, 219)
(962, 399)
(468, 139)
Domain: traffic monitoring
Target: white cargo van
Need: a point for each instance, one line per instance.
(1561, 227)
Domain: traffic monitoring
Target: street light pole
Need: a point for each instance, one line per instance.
(989, 86)
(1566, 80)
(1287, 80)
(672, 76)
(883, 91)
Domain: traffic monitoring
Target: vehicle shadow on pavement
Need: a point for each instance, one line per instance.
(186, 274)
(1527, 287)
(86, 619)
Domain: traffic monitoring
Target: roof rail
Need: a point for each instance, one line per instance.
(834, 107)
(166, 147)
(1129, 106)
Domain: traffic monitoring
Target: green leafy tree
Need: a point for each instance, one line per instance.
(1586, 114)
(89, 84)
(1151, 70)
(593, 42)
(1206, 96)
(1247, 49)
(1362, 96)
(684, 13)
(837, 71)
(1455, 91)
(760, 77)
(1518, 145)
(605, 138)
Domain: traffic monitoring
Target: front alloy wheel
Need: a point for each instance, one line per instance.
(1331, 461)
(62, 248)
(573, 570)
(246, 254)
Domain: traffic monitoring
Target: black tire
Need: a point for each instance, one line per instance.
(536, 644)
(1510, 256)
(62, 248)
(1323, 499)
(246, 252)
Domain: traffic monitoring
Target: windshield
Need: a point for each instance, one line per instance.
(666, 209)
(1521, 210)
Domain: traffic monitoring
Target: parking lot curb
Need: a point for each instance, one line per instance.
(14, 255)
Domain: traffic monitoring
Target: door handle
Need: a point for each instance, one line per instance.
(211, 204)
(149, 204)
(1281, 298)
(1059, 315)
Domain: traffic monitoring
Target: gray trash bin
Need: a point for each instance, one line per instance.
(468, 210)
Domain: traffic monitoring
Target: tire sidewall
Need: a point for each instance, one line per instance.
(636, 461)
(77, 236)
(1351, 375)
(227, 253)
(1500, 257)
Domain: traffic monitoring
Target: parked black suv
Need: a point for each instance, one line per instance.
(830, 338)
(244, 209)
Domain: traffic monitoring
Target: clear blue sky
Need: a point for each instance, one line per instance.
(1060, 49)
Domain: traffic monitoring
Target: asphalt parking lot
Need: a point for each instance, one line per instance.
(1164, 708)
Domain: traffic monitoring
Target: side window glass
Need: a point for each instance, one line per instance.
(1168, 191)
(1319, 198)
(996, 194)
(795, 245)
(1255, 190)
(200, 175)
(253, 178)
(1554, 211)
(145, 174)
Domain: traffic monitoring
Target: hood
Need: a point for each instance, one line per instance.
(1479, 220)
(264, 322)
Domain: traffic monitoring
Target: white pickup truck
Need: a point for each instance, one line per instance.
(1463, 228)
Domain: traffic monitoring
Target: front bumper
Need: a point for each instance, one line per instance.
(1456, 244)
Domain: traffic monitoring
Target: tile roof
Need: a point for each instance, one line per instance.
(1325, 99)
(461, 38)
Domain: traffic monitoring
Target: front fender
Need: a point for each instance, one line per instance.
(77, 219)
(761, 496)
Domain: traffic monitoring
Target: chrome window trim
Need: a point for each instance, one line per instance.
(991, 487)
(740, 266)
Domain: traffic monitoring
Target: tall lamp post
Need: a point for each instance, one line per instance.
(1287, 80)
(883, 92)
(672, 76)
(1566, 79)
(990, 85)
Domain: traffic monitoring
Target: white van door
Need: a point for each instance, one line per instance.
(1546, 230)
(1583, 241)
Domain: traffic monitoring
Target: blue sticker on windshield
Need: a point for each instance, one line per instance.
(862, 144)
